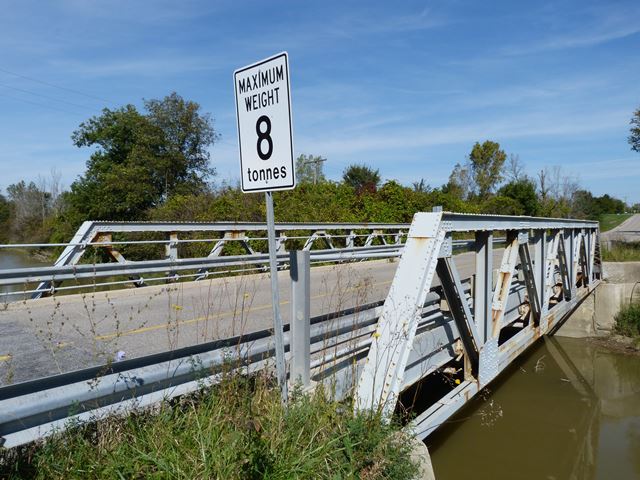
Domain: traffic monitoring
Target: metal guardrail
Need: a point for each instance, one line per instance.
(466, 329)
(37, 408)
(339, 242)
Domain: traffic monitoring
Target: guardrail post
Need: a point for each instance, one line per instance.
(300, 315)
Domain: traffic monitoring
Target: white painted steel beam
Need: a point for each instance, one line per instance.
(383, 371)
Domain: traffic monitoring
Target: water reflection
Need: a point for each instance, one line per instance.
(566, 410)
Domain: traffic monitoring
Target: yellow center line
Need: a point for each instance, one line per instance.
(109, 336)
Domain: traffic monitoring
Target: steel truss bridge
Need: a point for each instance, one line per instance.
(435, 324)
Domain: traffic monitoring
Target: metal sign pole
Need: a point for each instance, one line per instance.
(275, 299)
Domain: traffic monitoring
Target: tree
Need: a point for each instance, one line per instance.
(557, 192)
(634, 138)
(515, 169)
(487, 161)
(501, 206)
(309, 169)
(31, 207)
(543, 184)
(421, 186)
(460, 183)
(142, 159)
(524, 192)
(186, 136)
(362, 178)
(5, 218)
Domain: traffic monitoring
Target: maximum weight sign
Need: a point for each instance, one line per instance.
(263, 108)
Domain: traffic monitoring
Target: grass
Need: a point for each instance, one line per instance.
(628, 320)
(622, 252)
(612, 220)
(235, 430)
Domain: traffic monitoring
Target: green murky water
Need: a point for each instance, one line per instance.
(14, 259)
(567, 409)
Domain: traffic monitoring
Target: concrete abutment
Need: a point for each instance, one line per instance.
(595, 317)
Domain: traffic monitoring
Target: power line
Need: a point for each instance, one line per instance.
(77, 92)
(40, 104)
(46, 96)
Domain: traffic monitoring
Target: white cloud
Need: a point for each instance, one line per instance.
(521, 126)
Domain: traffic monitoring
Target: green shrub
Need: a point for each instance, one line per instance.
(622, 252)
(628, 320)
(235, 430)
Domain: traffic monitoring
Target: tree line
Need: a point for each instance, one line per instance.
(154, 164)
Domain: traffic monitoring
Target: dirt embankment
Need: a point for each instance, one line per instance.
(618, 344)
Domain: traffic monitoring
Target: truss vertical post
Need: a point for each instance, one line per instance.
(564, 244)
(350, 240)
(171, 248)
(575, 260)
(383, 372)
(550, 269)
(592, 254)
(281, 242)
(540, 266)
(483, 285)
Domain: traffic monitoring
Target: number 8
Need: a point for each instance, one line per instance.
(266, 135)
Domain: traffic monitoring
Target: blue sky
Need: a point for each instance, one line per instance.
(406, 87)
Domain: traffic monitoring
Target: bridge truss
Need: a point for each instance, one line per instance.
(439, 337)
(553, 264)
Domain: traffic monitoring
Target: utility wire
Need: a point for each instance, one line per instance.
(40, 104)
(77, 92)
(46, 96)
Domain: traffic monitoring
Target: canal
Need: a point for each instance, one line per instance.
(11, 258)
(567, 409)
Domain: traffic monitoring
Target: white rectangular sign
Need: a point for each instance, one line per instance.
(263, 108)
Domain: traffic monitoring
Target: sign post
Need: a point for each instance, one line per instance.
(263, 109)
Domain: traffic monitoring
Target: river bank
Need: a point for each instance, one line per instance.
(617, 343)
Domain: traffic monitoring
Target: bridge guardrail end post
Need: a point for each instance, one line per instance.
(300, 317)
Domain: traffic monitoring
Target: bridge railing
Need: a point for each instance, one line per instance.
(438, 326)
(117, 254)
(98, 255)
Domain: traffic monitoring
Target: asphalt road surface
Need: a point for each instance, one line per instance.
(59, 334)
(627, 231)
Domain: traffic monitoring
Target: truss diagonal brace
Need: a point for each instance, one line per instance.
(454, 294)
(530, 282)
(564, 268)
(584, 261)
(383, 372)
